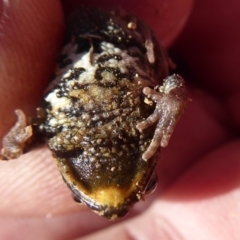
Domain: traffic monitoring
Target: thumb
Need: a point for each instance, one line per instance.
(30, 37)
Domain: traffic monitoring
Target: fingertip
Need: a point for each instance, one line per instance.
(166, 18)
(30, 38)
(31, 186)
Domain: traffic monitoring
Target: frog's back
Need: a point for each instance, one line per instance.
(94, 104)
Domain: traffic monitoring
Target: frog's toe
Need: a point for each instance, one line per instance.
(161, 137)
(15, 140)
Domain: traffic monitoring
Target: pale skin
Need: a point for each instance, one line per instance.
(198, 196)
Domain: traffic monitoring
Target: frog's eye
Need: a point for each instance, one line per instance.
(152, 184)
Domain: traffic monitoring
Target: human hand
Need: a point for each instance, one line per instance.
(198, 191)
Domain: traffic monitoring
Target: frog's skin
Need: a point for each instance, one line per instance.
(104, 114)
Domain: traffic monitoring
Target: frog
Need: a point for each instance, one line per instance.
(109, 109)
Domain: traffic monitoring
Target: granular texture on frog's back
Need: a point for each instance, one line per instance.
(94, 104)
(93, 124)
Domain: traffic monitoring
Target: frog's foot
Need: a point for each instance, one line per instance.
(170, 99)
(15, 140)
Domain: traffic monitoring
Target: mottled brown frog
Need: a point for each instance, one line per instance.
(109, 109)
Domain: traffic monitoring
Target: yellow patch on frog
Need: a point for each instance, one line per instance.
(106, 198)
